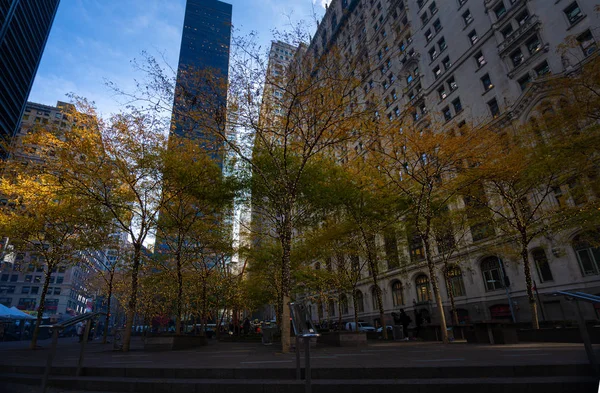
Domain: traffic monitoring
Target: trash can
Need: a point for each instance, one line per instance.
(398, 333)
(118, 339)
(267, 333)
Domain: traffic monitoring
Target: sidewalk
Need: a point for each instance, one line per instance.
(254, 355)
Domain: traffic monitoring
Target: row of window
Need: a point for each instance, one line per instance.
(29, 278)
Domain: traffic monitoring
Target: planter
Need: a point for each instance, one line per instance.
(558, 335)
(173, 343)
(343, 339)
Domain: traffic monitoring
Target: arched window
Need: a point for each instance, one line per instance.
(397, 293)
(454, 281)
(492, 273)
(360, 303)
(344, 304)
(374, 299)
(587, 248)
(331, 308)
(542, 265)
(422, 286)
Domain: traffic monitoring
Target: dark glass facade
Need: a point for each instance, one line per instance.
(25, 25)
(204, 55)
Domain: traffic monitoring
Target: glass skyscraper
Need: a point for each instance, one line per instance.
(24, 29)
(203, 69)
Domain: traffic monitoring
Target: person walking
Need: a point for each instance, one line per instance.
(404, 321)
(418, 322)
(79, 330)
(246, 326)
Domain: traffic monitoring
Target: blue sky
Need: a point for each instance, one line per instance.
(95, 40)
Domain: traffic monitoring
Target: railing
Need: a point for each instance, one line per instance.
(585, 336)
(55, 330)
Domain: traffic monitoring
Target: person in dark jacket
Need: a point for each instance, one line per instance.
(418, 322)
(246, 326)
(404, 321)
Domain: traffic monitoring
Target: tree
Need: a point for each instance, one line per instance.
(115, 164)
(420, 162)
(192, 221)
(39, 216)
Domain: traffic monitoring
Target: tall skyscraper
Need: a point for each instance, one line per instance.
(203, 67)
(25, 26)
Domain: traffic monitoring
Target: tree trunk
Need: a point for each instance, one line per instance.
(435, 288)
(535, 322)
(107, 318)
(40, 313)
(370, 243)
(179, 294)
(355, 300)
(286, 245)
(137, 256)
(450, 287)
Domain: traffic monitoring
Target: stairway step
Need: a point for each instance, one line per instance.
(169, 385)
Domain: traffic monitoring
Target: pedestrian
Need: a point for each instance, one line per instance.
(79, 330)
(418, 322)
(246, 326)
(404, 321)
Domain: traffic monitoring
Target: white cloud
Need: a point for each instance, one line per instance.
(323, 3)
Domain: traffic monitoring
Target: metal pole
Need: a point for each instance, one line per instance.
(51, 355)
(86, 333)
(586, 338)
(307, 371)
(298, 370)
(503, 281)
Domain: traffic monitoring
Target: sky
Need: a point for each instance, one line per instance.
(93, 41)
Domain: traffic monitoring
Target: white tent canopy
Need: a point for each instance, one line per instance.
(13, 313)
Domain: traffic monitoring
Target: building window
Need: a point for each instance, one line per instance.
(457, 106)
(524, 82)
(452, 84)
(28, 278)
(446, 63)
(542, 69)
(487, 82)
(437, 71)
(25, 289)
(416, 248)
(433, 54)
(587, 43)
(374, 303)
(461, 2)
(397, 298)
(331, 308)
(420, 3)
(442, 44)
(492, 273)
(433, 8)
(424, 18)
(494, 108)
(467, 17)
(588, 253)
(360, 303)
(59, 280)
(35, 290)
(4, 278)
(473, 37)
(428, 35)
(437, 25)
(542, 265)
(446, 113)
(479, 59)
(27, 304)
(500, 10)
(454, 281)
(516, 57)
(344, 304)
(522, 18)
(573, 13)
(533, 45)
(422, 287)
(507, 31)
(442, 92)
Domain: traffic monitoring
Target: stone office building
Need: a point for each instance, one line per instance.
(468, 61)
